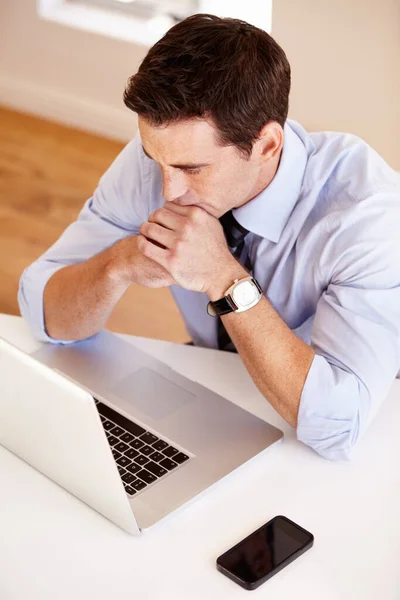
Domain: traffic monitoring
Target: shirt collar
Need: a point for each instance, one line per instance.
(267, 214)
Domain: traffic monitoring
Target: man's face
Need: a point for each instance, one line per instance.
(196, 170)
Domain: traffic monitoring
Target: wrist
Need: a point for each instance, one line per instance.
(225, 279)
(116, 264)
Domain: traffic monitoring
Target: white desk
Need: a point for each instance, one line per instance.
(53, 547)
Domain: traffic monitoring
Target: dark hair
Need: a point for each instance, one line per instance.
(206, 66)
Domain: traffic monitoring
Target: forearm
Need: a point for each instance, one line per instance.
(277, 360)
(191, 246)
(78, 299)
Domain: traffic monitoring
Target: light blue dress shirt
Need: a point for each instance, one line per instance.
(325, 245)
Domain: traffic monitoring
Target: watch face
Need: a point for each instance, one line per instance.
(245, 293)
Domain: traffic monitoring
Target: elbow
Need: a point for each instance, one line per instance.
(334, 409)
(335, 439)
(30, 302)
(37, 331)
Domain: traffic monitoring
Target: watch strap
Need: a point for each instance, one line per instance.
(221, 307)
(258, 286)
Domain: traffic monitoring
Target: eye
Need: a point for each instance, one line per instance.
(193, 171)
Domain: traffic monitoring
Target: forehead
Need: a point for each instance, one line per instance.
(184, 139)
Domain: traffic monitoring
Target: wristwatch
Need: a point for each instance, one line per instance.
(241, 296)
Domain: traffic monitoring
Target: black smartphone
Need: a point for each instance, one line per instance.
(265, 552)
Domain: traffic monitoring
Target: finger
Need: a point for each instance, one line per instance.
(158, 233)
(181, 210)
(167, 218)
(193, 212)
(177, 208)
(150, 250)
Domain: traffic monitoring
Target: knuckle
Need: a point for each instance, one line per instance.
(175, 253)
(158, 213)
(179, 244)
(139, 242)
(151, 228)
(196, 214)
(187, 230)
(143, 227)
(142, 244)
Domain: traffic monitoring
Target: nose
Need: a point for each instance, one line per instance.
(174, 185)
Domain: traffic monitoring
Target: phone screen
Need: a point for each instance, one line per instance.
(265, 550)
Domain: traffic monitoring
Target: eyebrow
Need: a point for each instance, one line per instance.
(180, 165)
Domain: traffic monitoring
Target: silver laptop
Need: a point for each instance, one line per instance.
(121, 430)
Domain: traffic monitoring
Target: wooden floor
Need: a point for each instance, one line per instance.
(47, 171)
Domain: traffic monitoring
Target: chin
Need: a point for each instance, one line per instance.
(209, 209)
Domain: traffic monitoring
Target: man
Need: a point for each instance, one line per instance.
(315, 219)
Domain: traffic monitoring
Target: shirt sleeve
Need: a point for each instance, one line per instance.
(355, 332)
(117, 208)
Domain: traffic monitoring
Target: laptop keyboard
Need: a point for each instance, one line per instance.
(142, 458)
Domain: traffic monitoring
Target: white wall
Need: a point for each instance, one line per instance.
(63, 73)
(345, 58)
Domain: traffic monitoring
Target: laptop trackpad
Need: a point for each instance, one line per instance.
(151, 393)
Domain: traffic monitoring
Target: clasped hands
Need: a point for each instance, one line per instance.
(188, 243)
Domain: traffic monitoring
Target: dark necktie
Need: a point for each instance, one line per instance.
(235, 235)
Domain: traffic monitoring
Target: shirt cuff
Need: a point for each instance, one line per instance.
(328, 418)
(30, 299)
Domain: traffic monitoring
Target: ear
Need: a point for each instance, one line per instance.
(270, 141)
